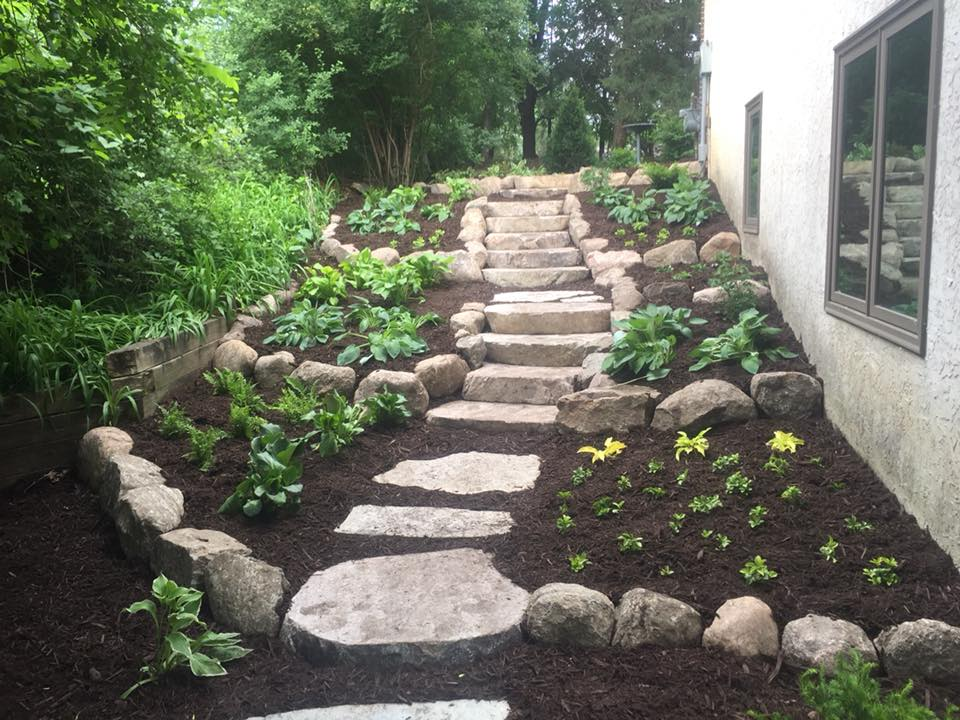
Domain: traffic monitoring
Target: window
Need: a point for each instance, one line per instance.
(884, 130)
(751, 168)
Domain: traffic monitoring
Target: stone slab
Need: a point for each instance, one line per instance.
(447, 606)
(494, 417)
(544, 350)
(531, 207)
(442, 710)
(424, 522)
(466, 473)
(528, 240)
(526, 384)
(543, 296)
(548, 318)
(528, 223)
(531, 278)
(548, 258)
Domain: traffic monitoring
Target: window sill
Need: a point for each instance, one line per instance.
(911, 342)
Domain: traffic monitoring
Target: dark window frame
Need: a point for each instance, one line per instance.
(754, 107)
(908, 333)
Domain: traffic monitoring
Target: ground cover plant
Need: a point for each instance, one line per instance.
(746, 341)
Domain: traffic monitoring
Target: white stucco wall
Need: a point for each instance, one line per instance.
(901, 412)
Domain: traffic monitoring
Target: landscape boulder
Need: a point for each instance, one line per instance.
(678, 252)
(473, 349)
(386, 255)
(645, 617)
(639, 177)
(744, 626)
(673, 293)
(717, 295)
(569, 614)
(921, 650)
(705, 403)
(235, 355)
(404, 383)
(816, 641)
(96, 447)
(442, 375)
(590, 367)
(271, 370)
(245, 594)
(787, 394)
(578, 229)
(728, 242)
(464, 268)
(470, 320)
(184, 554)
(626, 296)
(591, 245)
(599, 262)
(144, 514)
(326, 378)
(607, 409)
(124, 473)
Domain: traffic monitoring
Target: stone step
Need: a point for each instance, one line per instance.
(544, 350)
(528, 241)
(548, 318)
(527, 223)
(554, 257)
(493, 417)
(535, 207)
(534, 277)
(466, 473)
(533, 193)
(544, 296)
(424, 522)
(526, 384)
(441, 710)
(444, 607)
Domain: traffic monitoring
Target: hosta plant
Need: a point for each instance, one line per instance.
(611, 448)
(738, 483)
(756, 571)
(337, 423)
(323, 285)
(785, 442)
(438, 212)
(684, 444)
(644, 344)
(385, 409)
(578, 562)
(688, 202)
(181, 637)
(628, 542)
(306, 326)
(882, 571)
(272, 483)
(748, 341)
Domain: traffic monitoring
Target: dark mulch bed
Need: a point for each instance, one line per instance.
(404, 243)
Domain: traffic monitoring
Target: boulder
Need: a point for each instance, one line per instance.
(473, 217)
(473, 349)
(471, 320)
(439, 189)
(479, 202)
(744, 626)
(477, 252)
(184, 554)
(271, 370)
(578, 229)
(787, 394)
(590, 367)
(922, 650)
(728, 242)
(472, 234)
(473, 306)
(569, 614)
(599, 262)
(591, 245)
(609, 277)
(245, 594)
(645, 617)
(442, 375)
(144, 514)
(626, 296)
(678, 252)
(326, 378)
(817, 641)
(405, 383)
(717, 295)
(673, 293)
(607, 409)
(125, 473)
(235, 355)
(488, 185)
(639, 178)
(571, 204)
(386, 255)
(96, 447)
(703, 404)
(464, 268)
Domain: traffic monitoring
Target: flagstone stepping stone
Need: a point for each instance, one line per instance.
(528, 241)
(544, 350)
(515, 209)
(520, 384)
(528, 223)
(549, 258)
(494, 417)
(442, 710)
(466, 473)
(424, 522)
(549, 318)
(447, 606)
(530, 277)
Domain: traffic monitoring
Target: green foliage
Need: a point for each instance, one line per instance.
(746, 341)
(684, 444)
(756, 571)
(578, 562)
(628, 542)
(619, 158)
(337, 423)
(571, 144)
(663, 176)
(605, 505)
(323, 285)
(306, 325)
(882, 571)
(738, 483)
(624, 483)
(390, 333)
(784, 442)
(565, 523)
(676, 522)
(174, 422)
(202, 444)
(460, 189)
(688, 202)
(852, 524)
(387, 213)
(670, 139)
(244, 423)
(580, 475)
(239, 388)
(829, 549)
(644, 344)
(297, 400)
(725, 462)
(757, 516)
(654, 491)
(792, 495)
(705, 504)
(733, 278)
(272, 483)
(655, 466)
(438, 212)
(386, 409)
(175, 612)
(777, 464)
(634, 209)
(665, 571)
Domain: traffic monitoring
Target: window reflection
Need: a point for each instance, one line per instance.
(753, 181)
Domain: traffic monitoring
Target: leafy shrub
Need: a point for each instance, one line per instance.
(239, 388)
(596, 178)
(202, 444)
(385, 409)
(733, 277)
(297, 400)
(397, 284)
(337, 423)
(323, 285)
(175, 612)
(392, 334)
(174, 422)
(634, 210)
(619, 158)
(571, 144)
(688, 202)
(663, 176)
(306, 326)
(272, 481)
(746, 341)
(460, 189)
(671, 142)
(644, 344)
(387, 213)
(244, 423)
(438, 212)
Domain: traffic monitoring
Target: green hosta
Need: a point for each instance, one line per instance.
(756, 571)
(273, 480)
(385, 409)
(175, 612)
(438, 212)
(387, 212)
(705, 504)
(306, 326)
(644, 344)
(688, 202)
(323, 285)
(684, 444)
(397, 284)
(460, 189)
(746, 341)
(738, 483)
(635, 209)
(337, 423)
(396, 336)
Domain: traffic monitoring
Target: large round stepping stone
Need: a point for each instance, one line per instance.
(447, 606)
(442, 710)
(424, 522)
(466, 473)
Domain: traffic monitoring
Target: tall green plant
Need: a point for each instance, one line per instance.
(571, 144)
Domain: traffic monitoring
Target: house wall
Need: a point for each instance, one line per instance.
(901, 412)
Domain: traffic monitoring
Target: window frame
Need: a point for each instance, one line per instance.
(908, 333)
(754, 107)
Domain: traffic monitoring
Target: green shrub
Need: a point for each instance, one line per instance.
(663, 176)
(571, 144)
(619, 158)
(272, 483)
(688, 202)
(385, 409)
(460, 189)
(337, 423)
(387, 213)
(746, 341)
(306, 326)
(644, 343)
(323, 285)
(671, 142)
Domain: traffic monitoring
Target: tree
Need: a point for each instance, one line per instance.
(571, 145)
(537, 13)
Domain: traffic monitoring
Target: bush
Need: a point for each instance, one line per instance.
(663, 176)
(570, 145)
(671, 142)
(619, 158)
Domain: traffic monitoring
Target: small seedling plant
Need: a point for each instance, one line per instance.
(828, 551)
(665, 571)
(645, 343)
(628, 542)
(624, 483)
(784, 442)
(655, 467)
(683, 476)
(654, 491)
(605, 506)
(853, 524)
(777, 464)
(202, 445)
(705, 504)
(174, 422)
(725, 462)
(662, 236)
(578, 562)
(757, 516)
(733, 278)
(565, 523)
(756, 571)
(611, 448)
(181, 637)
(748, 341)
(882, 571)
(580, 475)
(792, 495)
(272, 483)
(739, 484)
(676, 522)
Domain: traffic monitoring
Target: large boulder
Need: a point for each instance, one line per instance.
(569, 614)
(144, 514)
(744, 626)
(97, 447)
(578, 229)
(442, 375)
(590, 367)
(184, 554)
(464, 268)
(703, 404)
(470, 320)
(271, 370)
(607, 409)
(673, 293)
(816, 641)
(645, 617)
(639, 177)
(235, 355)
(404, 383)
(678, 252)
(787, 394)
(921, 649)
(728, 242)
(245, 594)
(591, 245)
(125, 473)
(326, 378)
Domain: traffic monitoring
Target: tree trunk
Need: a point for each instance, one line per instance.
(488, 152)
(619, 134)
(528, 122)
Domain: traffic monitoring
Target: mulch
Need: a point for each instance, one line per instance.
(70, 651)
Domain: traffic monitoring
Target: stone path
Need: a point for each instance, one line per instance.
(444, 710)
